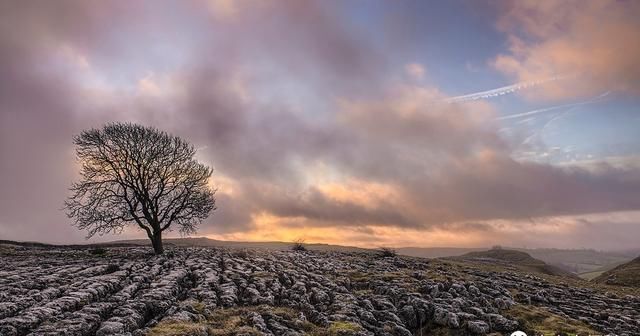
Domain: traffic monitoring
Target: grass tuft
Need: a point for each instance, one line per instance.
(171, 328)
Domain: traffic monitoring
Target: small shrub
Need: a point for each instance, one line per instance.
(386, 252)
(98, 251)
(298, 245)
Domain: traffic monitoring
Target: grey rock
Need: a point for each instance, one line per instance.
(478, 327)
(67, 292)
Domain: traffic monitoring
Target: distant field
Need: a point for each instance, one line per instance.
(590, 275)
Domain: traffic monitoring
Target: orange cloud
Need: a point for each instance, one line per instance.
(562, 231)
(367, 194)
(273, 228)
(223, 9)
(596, 44)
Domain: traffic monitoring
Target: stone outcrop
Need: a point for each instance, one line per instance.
(127, 292)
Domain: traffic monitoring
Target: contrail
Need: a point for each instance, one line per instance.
(571, 108)
(501, 91)
(544, 127)
(547, 109)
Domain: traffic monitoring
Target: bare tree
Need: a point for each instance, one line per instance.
(131, 174)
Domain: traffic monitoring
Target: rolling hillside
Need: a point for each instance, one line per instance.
(587, 263)
(627, 274)
(519, 259)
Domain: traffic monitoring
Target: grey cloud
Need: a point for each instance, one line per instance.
(233, 215)
(314, 205)
(35, 119)
(499, 187)
(447, 166)
(309, 41)
(39, 105)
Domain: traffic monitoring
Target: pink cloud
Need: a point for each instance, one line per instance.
(595, 43)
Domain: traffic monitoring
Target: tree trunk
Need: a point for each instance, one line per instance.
(156, 241)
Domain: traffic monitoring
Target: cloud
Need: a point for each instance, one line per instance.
(587, 231)
(305, 41)
(44, 103)
(450, 165)
(423, 164)
(37, 105)
(223, 9)
(415, 71)
(595, 41)
(295, 111)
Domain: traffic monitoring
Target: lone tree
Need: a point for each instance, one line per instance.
(135, 174)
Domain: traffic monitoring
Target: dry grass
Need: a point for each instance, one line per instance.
(171, 328)
(538, 321)
(338, 328)
(434, 330)
(231, 321)
(220, 322)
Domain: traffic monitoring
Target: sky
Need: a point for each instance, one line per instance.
(367, 123)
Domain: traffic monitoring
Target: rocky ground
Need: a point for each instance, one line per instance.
(197, 291)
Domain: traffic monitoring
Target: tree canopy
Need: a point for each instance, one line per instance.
(132, 174)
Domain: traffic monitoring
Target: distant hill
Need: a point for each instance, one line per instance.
(273, 245)
(38, 245)
(627, 274)
(585, 262)
(581, 261)
(436, 252)
(519, 259)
